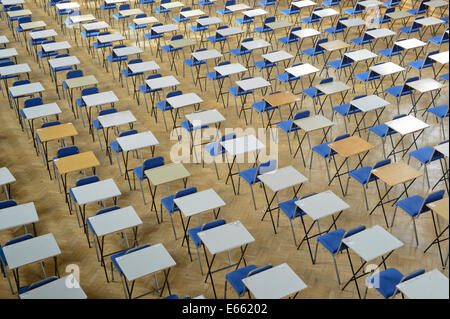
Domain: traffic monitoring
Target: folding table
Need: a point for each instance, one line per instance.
(42, 111)
(251, 85)
(78, 83)
(347, 148)
(437, 4)
(19, 215)
(358, 56)
(141, 22)
(392, 175)
(330, 47)
(97, 100)
(136, 142)
(203, 56)
(157, 84)
(206, 22)
(329, 89)
(144, 262)
(21, 91)
(366, 104)
(319, 206)
(114, 120)
(180, 102)
(422, 86)
(384, 70)
(52, 133)
(66, 287)
(221, 239)
(141, 68)
(195, 204)
(14, 70)
(37, 35)
(74, 163)
(238, 147)
(126, 14)
(227, 33)
(258, 44)
(275, 57)
(161, 29)
(178, 45)
(353, 23)
(299, 71)
(91, 28)
(276, 26)
(55, 47)
(8, 53)
(275, 283)
(410, 44)
(69, 61)
(325, 13)
(6, 178)
(164, 175)
(430, 285)
(3, 39)
(309, 125)
(439, 210)
(302, 35)
(28, 26)
(441, 58)
(429, 23)
(404, 126)
(225, 71)
(116, 221)
(252, 14)
(93, 193)
(278, 180)
(443, 149)
(106, 39)
(65, 6)
(378, 34)
(279, 99)
(30, 251)
(125, 52)
(399, 15)
(370, 244)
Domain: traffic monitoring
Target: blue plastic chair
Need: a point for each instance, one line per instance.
(364, 176)
(164, 106)
(214, 76)
(415, 206)
(341, 64)
(423, 8)
(262, 107)
(324, 151)
(193, 235)
(235, 278)
(80, 101)
(145, 89)
(80, 182)
(152, 35)
(64, 152)
(251, 175)
(7, 203)
(332, 241)
(346, 110)
(264, 28)
(98, 126)
(192, 63)
(226, 11)
(367, 77)
(383, 131)
(339, 28)
(439, 40)
(419, 65)
(217, 38)
(168, 48)
(139, 172)
(215, 149)
(313, 18)
(408, 30)
(127, 73)
(441, 112)
(357, 9)
(316, 50)
(365, 39)
(169, 204)
(386, 281)
(38, 284)
(115, 147)
(394, 51)
(289, 126)
(290, 38)
(401, 90)
(384, 18)
(113, 58)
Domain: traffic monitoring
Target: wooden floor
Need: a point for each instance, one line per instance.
(33, 184)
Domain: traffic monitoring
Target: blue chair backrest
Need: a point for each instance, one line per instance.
(258, 270)
(154, 76)
(107, 111)
(74, 74)
(213, 224)
(8, 63)
(227, 137)
(67, 151)
(339, 25)
(318, 48)
(124, 7)
(174, 93)
(326, 80)
(127, 133)
(33, 102)
(131, 250)
(24, 20)
(389, 10)
(142, 15)
(432, 198)
(134, 61)
(293, 36)
(7, 203)
(354, 231)
(177, 37)
(185, 192)
(153, 162)
(18, 239)
(48, 124)
(107, 210)
(266, 167)
(341, 137)
(89, 91)
(301, 115)
(382, 163)
(87, 180)
(39, 284)
(429, 61)
(413, 275)
(21, 82)
(269, 20)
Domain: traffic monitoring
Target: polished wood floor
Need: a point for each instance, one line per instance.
(33, 184)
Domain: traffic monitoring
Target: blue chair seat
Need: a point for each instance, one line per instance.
(235, 278)
(236, 92)
(389, 52)
(345, 109)
(445, 77)
(386, 281)
(115, 147)
(364, 76)
(287, 126)
(426, 155)
(337, 64)
(249, 175)
(150, 36)
(290, 209)
(139, 174)
(262, 107)
(361, 174)
(322, 149)
(440, 111)
(191, 62)
(290, 12)
(167, 202)
(332, 240)
(312, 92)
(263, 65)
(411, 205)
(419, 64)
(189, 127)
(163, 106)
(214, 149)
(37, 284)
(97, 125)
(381, 130)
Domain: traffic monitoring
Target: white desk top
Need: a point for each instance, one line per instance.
(380, 33)
(3, 38)
(205, 117)
(7, 53)
(207, 55)
(387, 68)
(11, 2)
(115, 1)
(361, 55)
(56, 46)
(115, 221)
(19, 13)
(282, 178)
(165, 28)
(63, 62)
(370, 3)
(26, 89)
(254, 13)
(81, 18)
(199, 202)
(5, 176)
(67, 5)
(110, 38)
(277, 56)
(18, 215)
(253, 83)
(306, 33)
(41, 111)
(442, 148)
(229, 31)
(145, 20)
(192, 13)
(42, 34)
(96, 26)
(184, 100)
(332, 87)
(313, 123)
(322, 205)
(354, 22)
(32, 25)
(225, 237)
(31, 250)
(130, 12)
(303, 3)
(440, 57)
(425, 85)
(369, 103)
(229, 69)
(409, 44)
(436, 3)
(125, 51)
(325, 13)
(407, 125)
(137, 141)
(242, 145)
(63, 288)
(143, 67)
(15, 69)
(209, 21)
(302, 70)
(372, 243)
(430, 285)
(162, 82)
(96, 192)
(274, 283)
(429, 21)
(172, 5)
(145, 261)
(238, 7)
(255, 44)
(116, 119)
(101, 98)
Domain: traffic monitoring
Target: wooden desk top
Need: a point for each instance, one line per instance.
(281, 98)
(76, 162)
(396, 173)
(440, 207)
(351, 146)
(334, 45)
(56, 132)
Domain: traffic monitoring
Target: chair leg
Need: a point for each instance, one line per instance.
(173, 226)
(365, 196)
(337, 270)
(142, 191)
(415, 231)
(253, 196)
(393, 217)
(293, 232)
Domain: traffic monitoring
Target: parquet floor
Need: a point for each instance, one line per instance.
(33, 184)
